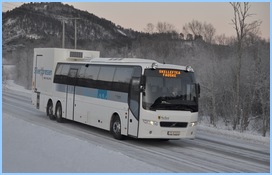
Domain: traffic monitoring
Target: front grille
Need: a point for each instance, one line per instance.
(174, 124)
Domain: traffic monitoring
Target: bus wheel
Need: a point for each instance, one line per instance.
(49, 110)
(59, 113)
(116, 128)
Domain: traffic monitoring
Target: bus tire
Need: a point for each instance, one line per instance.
(49, 110)
(116, 128)
(58, 113)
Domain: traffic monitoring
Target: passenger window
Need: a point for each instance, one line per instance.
(92, 72)
(72, 73)
(106, 73)
(123, 74)
(58, 69)
(65, 69)
(81, 72)
(137, 72)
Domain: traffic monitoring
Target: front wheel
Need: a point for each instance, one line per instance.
(116, 128)
(59, 113)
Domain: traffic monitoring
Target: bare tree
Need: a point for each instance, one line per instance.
(181, 35)
(223, 40)
(194, 27)
(207, 31)
(164, 27)
(261, 83)
(242, 28)
(149, 28)
(189, 37)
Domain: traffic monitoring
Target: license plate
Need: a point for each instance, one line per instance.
(173, 133)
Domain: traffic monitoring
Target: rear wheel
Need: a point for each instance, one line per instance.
(116, 128)
(58, 113)
(49, 110)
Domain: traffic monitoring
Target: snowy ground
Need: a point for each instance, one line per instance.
(26, 137)
(42, 146)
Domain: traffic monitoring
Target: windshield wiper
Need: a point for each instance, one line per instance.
(163, 103)
(157, 102)
(187, 108)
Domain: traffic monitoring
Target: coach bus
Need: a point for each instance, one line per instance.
(139, 98)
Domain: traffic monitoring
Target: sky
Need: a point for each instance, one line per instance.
(136, 15)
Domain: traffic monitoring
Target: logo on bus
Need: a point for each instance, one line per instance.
(103, 94)
(44, 73)
(163, 118)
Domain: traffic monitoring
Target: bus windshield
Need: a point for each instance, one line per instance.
(167, 89)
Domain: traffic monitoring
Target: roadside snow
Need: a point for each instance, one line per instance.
(33, 36)
(10, 85)
(121, 32)
(10, 22)
(234, 134)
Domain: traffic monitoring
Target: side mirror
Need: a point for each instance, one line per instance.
(198, 89)
(143, 80)
(142, 85)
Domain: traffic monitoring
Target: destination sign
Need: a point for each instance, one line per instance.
(169, 73)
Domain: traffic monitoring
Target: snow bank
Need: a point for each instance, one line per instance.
(234, 134)
(222, 129)
(10, 85)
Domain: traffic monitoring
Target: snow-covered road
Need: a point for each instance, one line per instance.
(33, 143)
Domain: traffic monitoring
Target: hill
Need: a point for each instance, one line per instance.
(41, 24)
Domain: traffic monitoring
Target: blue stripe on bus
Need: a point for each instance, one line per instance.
(96, 93)
(103, 94)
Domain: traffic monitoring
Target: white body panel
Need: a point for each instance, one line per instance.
(97, 112)
(149, 131)
(44, 65)
(133, 125)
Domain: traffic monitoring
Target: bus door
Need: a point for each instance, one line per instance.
(70, 94)
(134, 101)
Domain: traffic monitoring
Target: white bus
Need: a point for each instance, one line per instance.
(129, 97)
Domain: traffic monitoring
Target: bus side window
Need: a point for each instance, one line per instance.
(62, 74)
(57, 73)
(137, 71)
(80, 75)
(105, 77)
(122, 79)
(90, 76)
(71, 78)
(81, 71)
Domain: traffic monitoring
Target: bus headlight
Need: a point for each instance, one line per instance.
(150, 122)
(193, 124)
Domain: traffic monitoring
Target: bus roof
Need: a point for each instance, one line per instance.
(122, 60)
(144, 63)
